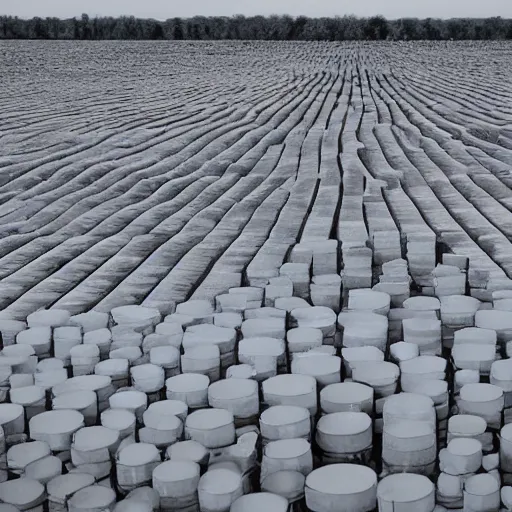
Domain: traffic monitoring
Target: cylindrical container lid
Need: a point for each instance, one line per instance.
(260, 501)
(95, 497)
(353, 486)
(406, 488)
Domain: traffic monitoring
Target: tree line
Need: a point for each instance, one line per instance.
(281, 28)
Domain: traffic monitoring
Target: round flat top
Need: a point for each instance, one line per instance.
(422, 303)
(220, 481)
(344, 423)
(95, 496)
(464, 446)
(260, 501)
(479, 392)
(117, 419)
(467, 424)
(284, 415)
(56, 422)
(187, 382)
(21, 491)
(63, 486)
(287, 448)
(95, 438)
(231, 389)
(404, 488)
(138, 454)
(176, 471)
(481, 485)
(209, 419)
(289, 385)
(289, 484)
(347, 393)
(340, 479)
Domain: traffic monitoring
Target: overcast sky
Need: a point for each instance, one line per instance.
(163, 9)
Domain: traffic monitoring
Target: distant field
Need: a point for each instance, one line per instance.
(155, 172)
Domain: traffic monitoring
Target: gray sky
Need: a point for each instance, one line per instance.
(163, 9)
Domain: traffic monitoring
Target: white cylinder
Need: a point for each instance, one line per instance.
(499, 321)
(324, 368)
(19, 456)
(425, 333)
(213, 428)
(56, 428)
(167, 358)
(287, 455)
(501, 376)
(90, 321)
(91, 499)
(482, 494)
(148, 378)
(409, 446)
(188, 450)
(409, 406)
(506, 448)
(135, 464)
(190, 388)
(475, 335)
(239, 396)
(12, 419)
(421, 368)
(459, 310)
(100, 384)
(354, 355)
(471, 356)
(204, 360)
(484, 400)
(24, 493)
(62, 487)
(145, 494)
(406, 492)
(85, 402)
(288, 484)
(402, 351)
(102, 338)
(291, 389)
(364, 329)
(260, 501)
(32, 398)
(344, 432)
(347, 396)
(84, 358)
(463, 377)
(43, 470)
(302, 339)
(317, 317)
(64, 339)
(119, 419)
(285, 422)
(369, 300)
(263, 354)
(218, 489)
(134, 401)
(93, 445)
(117, 369)
(168, 408)
(160, 430)
(380, 375)
(421, 303)
(341, 488)
(39, 338)
(176, 482)
(138, 318)
(461, 456)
